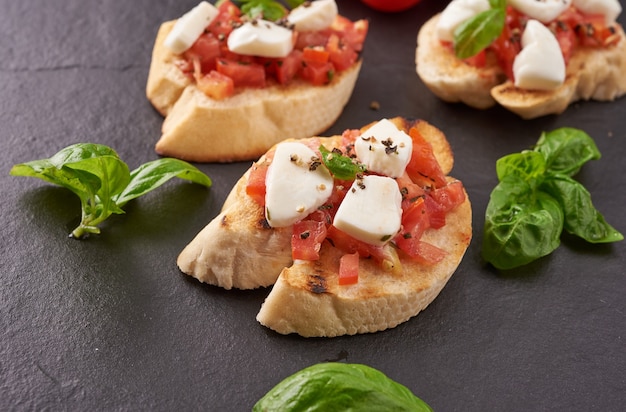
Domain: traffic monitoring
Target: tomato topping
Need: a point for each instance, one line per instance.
(572, 29)
(243, 73)
(306, 239)
(349, 269)
(315, 55)
(425, 204)
(216, 85)
(205, 50)
(255, 188)
(318, 74)
(423, 167)
(316, 58)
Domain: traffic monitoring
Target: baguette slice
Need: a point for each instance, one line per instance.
(244, 126)
(238, 250)
(592, 74)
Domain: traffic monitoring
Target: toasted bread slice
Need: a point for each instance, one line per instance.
(597, 74)
(238, 250)
(241, 127)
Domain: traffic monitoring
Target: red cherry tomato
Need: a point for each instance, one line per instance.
(391, 5)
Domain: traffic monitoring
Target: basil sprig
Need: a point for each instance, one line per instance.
(335, 386)
(267, 9)
(340, 166)
(478, 32)
(102, 181)
(537, 198)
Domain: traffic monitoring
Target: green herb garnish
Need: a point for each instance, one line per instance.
(478, 32)
(271, 10)
(537, 198)
(336, 386)
(102, 181)
(341, 166)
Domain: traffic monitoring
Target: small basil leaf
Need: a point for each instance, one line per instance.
(266, 9)
(475, 34)
(81, 185)
(581, 217)
(521, 225)
(111, 171)
(566, 150)
(153, 174)
(340, 166)
(335, 386)
(528, 165)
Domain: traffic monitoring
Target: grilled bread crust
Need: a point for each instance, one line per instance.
(241, 127)
(592, 74)
(239, 250)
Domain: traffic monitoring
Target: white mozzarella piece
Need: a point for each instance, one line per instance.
(261, 38)
(456, 13)
(609, 8)
(543, 10)
(294, 189)
(540, 64)
(190, 26)
(313, 16)
(384, 149)
(371, 211)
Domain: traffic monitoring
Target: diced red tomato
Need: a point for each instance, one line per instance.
(255, 188)
(349, 269)
(223, 24)
(306, 239)
(423, 167)
(243, 74)
(421, 251)
(205, 50)
(341, 55)
(216, 85)
(478, 60)
(315, 55)
(285, 69)
(318, 74)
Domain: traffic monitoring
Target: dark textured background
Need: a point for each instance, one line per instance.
(111, 324)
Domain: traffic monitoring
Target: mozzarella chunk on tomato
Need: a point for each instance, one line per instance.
(609, 8)
(540, 64)
(313, 16)
(190, 26)
(296, 184)
(371, 211)
(384, 149)
(261, 38)
(456, 13)
(545, 10)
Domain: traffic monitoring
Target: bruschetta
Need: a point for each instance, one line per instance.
(548, 55)
(357, 233)
(231, 86)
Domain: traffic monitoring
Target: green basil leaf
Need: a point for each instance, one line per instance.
(97, 175)
(581, 217)
(335, 386)
(294, 3)
(341, 166)
(266, 9)
(521, 224)
(153, 174)
(498, 4)
(528, 165)
(475, 34)
(566, 150)
(81, 184)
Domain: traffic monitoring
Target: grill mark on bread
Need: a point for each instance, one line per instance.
(316, 284)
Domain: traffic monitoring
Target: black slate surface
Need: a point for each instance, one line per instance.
(111, 324)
